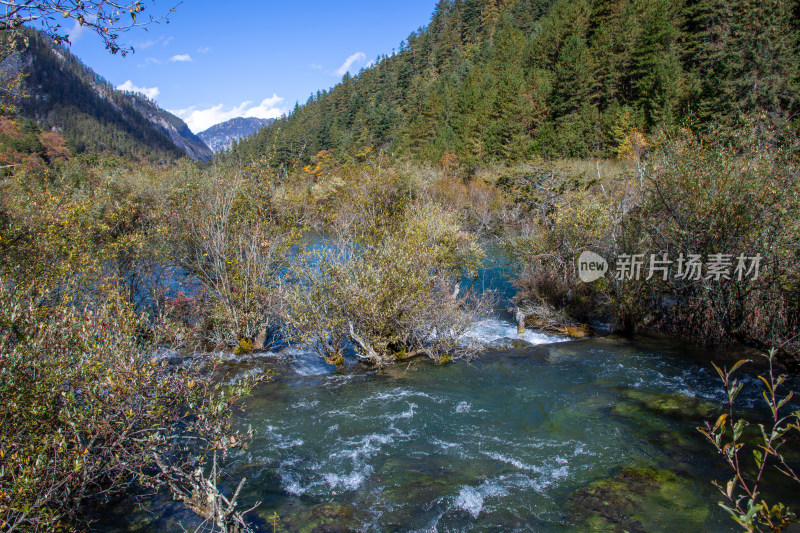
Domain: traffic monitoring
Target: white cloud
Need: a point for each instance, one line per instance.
(150, 61)
(168, 40)
(201, 119)
(182, 58)
(79, 29)
(76, 32)
(150, 92)
(349, 62)
(315, 66)
(149, 44)
(204, 50)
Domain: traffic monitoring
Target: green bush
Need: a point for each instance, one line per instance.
(85, 411)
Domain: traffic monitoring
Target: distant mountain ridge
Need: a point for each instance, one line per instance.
(177, 130)
(221, 136)
(68, 96)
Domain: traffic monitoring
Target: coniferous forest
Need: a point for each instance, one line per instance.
(64, 95)
(506, 81)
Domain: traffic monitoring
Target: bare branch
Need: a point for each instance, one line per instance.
(107, 19)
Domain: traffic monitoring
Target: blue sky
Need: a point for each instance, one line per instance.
(218, 60)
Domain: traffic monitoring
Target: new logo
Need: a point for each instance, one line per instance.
(591, 267)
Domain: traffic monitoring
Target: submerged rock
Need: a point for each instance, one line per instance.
(674, 405)
(415, 488)
(322, 518)
(637, 500)
(416, 484)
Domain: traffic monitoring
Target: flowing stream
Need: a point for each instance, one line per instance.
(536, 435)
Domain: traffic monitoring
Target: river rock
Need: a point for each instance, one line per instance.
(636, 500)
(322, 518)
(674, 405)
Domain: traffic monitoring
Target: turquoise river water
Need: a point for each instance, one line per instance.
(537, 434)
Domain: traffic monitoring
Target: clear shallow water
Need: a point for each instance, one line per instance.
(573, 436)
(499, 444)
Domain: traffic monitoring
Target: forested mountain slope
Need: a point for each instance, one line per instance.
(508, 79)
(65, 95)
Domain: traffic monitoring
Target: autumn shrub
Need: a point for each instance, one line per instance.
(729, 192)
(86, 411)
(477, 198)
(236, 245)
(564, 213)
(449, 191)
(732, 193)
(389, 292)
(90, 262)
(485, 206)
(24, 146)
(74, 229)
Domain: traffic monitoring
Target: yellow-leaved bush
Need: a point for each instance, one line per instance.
(389, 292)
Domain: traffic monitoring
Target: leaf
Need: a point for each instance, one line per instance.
(737, 387)
(767, 384)
(759, 458)
(738, 428)
(733, 513)
(722, 375)
(721, 421)
(763, 432)
(748, 518)
(783, 402)
(737, 364)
